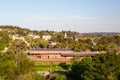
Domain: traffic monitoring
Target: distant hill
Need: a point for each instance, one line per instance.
(25, 31)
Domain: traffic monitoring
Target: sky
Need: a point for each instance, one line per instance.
(58, 15)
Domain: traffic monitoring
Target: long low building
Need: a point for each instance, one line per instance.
(57, 54)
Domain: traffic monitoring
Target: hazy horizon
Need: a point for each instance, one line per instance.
(57, 15)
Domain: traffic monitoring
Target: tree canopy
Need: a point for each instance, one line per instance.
(102, 67)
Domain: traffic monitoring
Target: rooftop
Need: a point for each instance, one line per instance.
(50, 49)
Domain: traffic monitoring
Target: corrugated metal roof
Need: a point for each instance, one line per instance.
(92, 52)
(50, 49)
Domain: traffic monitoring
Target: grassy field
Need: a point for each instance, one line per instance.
(47, 66)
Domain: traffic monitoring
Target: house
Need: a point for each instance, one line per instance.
(14, 37)
(0, 29)
(78, 36)
(51, 44)
(33, 35)
(57, 54)
(46, 37)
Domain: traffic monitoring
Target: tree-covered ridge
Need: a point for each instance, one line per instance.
(65, 39)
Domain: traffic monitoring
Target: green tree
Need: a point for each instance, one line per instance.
(7, 66)
(39, 77)
(4, 40)
(43, 43)
(60, 37)
(106, 67)
(17, 46)
(79, 68)
(14, 63)
(64, 66)
(61, 77)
